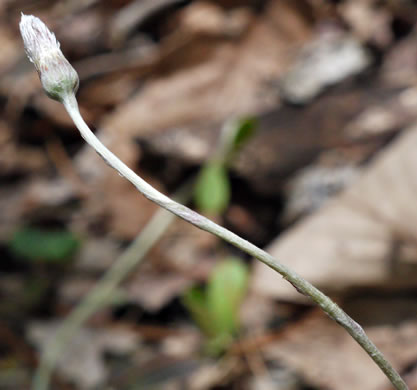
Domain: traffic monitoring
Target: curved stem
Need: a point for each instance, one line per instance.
(304, 287)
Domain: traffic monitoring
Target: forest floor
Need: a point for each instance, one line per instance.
(326, 183)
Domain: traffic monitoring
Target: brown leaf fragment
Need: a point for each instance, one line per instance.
(327, 357)
(357, 239)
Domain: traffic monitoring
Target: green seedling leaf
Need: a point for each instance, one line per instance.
(195, 301)
(212, 189)
(245, 130)
(215, 310)
(41, 245)
(225, 292)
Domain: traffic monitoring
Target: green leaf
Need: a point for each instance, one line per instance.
(195, 301)
(215, 310)
(212, 189)
(245, 130)
(42, 245)
(225, 291)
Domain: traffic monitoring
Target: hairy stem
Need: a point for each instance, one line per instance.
(304, 287)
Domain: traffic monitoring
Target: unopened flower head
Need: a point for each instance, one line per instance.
(59, 79)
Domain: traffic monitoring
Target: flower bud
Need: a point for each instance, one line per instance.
(59, 79)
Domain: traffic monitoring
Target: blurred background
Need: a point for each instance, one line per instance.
(292, 123)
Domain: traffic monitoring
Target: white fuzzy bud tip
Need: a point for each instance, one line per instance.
(59, 79)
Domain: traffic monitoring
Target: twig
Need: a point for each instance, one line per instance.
(60, 82)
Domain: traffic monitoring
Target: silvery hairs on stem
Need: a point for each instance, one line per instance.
(60, 82)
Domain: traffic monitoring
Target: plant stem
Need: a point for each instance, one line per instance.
(101, 294)
(304, 287)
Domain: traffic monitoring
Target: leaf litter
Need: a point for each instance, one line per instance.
(158, 86)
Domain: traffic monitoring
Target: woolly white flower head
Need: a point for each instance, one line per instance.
(58, 77)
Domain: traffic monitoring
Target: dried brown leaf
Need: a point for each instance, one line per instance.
(361, 238)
